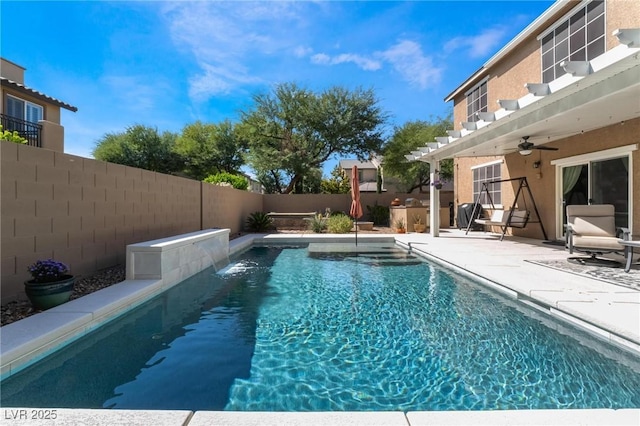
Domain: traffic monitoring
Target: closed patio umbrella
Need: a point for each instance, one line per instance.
(356, 208)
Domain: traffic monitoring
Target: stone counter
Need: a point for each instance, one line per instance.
(407, 214)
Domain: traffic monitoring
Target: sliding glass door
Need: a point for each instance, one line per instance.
(592, 179)
(609, 184)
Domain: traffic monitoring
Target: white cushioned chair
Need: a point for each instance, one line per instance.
(591, 229)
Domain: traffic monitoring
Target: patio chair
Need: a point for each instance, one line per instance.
(591, 229)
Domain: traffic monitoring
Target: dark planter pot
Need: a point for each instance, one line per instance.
(47, 295)
(438, 186)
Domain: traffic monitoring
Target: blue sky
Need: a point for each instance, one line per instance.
(168, 64)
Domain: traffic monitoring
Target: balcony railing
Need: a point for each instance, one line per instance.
(32, 132)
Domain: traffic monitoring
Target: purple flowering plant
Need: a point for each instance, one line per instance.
(44, 271)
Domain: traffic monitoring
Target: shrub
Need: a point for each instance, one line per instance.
(379, 215)
(6, 135)
(339, 224)
(259, 222)
(237, 181)
(318, 224)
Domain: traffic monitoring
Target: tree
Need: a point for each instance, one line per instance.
(310, 183)
(210, 148)
(338, 183)
(293, 131)
(409, 137)
(139, 146)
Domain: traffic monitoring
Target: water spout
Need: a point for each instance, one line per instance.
(217, 251)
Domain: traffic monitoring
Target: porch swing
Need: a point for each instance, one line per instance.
(513, 218)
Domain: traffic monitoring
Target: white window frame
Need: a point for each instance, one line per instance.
(498, 188)
(571, 37)
(484, 107)
(26, 111)
(588, 158)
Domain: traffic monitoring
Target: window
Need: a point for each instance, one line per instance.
(476, 101)
(23, 110)
(577, 38)
(485, 173)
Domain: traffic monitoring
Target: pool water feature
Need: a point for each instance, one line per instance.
(295, 329)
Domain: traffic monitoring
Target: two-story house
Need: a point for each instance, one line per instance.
(34, 115)
(368, 172)
(558, 105)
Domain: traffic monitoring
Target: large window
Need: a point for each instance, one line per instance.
(485, 173)
(476, 101)
(23, 110)
(577, 38)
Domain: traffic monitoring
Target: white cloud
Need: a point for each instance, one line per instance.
(321, 59)
(408, 59)
(302, 51)
(360, 61)
(218, 80)
(224, 37)
(479, 45)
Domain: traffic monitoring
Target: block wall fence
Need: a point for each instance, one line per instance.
(85, 212)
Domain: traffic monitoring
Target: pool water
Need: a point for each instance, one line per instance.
(286, 329)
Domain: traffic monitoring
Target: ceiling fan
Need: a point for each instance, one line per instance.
(525, 147)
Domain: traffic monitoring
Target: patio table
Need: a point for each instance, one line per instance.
(628, 252)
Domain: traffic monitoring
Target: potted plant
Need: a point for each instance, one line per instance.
(50, 284)
(418, 226)
(400, 228)
(437, 184)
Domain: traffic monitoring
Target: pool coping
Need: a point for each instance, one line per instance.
(68, 416)
(26, 341)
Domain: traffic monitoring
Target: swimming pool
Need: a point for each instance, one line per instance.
(286, 329)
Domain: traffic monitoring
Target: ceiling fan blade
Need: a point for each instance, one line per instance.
(545, 148)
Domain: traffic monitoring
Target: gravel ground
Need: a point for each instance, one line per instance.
(16, 310)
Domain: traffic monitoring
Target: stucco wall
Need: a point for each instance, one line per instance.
(620, 14)
(85, 212)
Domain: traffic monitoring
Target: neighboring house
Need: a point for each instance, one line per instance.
(367, 175)
(34, 115)
(560, 105)
(254, 185)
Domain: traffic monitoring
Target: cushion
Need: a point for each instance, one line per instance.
(592, 220)
(596, 242)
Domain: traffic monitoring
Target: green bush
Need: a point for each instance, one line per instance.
(6, 135)
(259, 222)
(339, 224)
(318, 224)
(379, 215)
(237, 181)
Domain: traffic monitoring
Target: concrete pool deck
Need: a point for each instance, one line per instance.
(609, 311)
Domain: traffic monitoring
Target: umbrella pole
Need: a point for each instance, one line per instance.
(355, 223)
